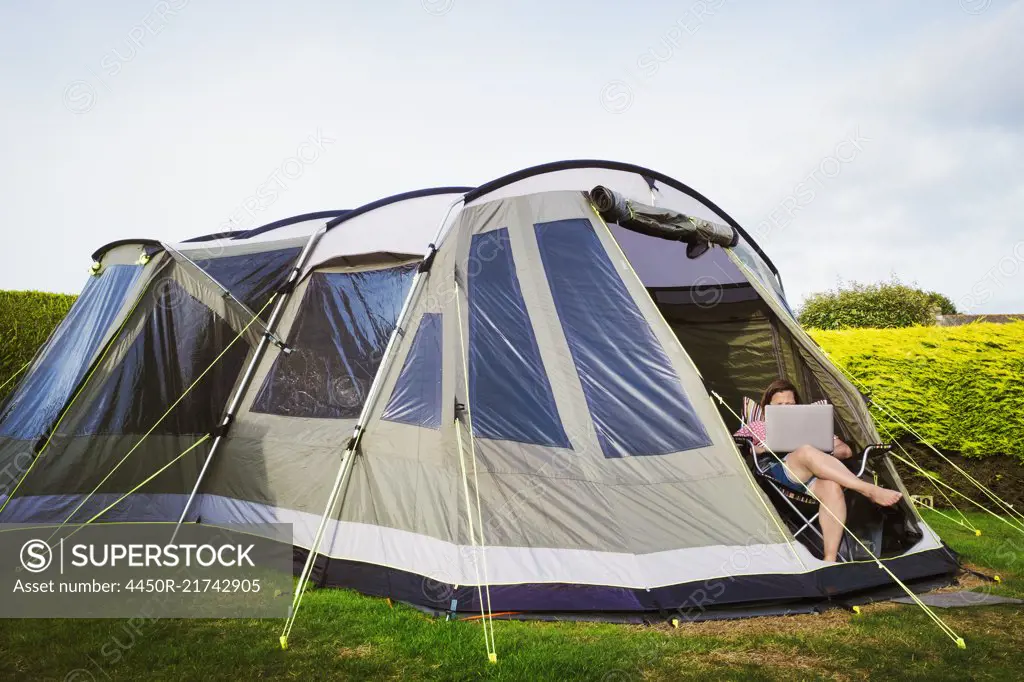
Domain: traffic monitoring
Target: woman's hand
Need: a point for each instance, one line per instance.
(840, 450)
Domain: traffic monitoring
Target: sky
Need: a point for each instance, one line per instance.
(855, 141)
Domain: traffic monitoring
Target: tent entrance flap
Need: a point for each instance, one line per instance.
(663, 223)
(739, 345)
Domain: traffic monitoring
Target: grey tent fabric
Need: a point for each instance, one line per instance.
(179, 334)
(543, 409)
(631, 497)
(959, 600)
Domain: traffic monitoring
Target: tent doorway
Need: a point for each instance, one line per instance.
(739, 346)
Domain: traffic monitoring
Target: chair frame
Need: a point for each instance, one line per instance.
(789, 495)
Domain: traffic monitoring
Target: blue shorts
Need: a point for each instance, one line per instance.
(779, 473)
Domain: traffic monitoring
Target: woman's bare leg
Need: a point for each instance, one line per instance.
(806, 461)
(830, 494)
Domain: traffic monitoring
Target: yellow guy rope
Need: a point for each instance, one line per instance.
(166, 413)
(67, 408)
(148, 479)
(991, 495)
(974, 502)
(13, 376)
(492, 652)
(966, 523)
(472, 536)
(931, 614)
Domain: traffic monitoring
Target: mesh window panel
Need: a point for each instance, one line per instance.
(338, 338)
(510, 395)
(252, 278)
(416, 399)
(633, 393)
(181, 338)
(762, 272)
(64, 361)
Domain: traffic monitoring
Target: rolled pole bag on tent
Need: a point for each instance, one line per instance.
(697, 233)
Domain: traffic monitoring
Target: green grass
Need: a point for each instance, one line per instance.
(343, 635)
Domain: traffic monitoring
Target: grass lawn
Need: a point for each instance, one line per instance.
(341, 634)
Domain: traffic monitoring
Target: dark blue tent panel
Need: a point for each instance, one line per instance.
(253, 277)
(338, 340)
(416, 398)
(510, 395)
(63, 362)
(179, 341)
(634, 396)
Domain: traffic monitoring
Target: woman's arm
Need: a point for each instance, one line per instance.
(840, 450)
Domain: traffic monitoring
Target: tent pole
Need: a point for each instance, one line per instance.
(347, 458)
(340, 482)
(250, 371)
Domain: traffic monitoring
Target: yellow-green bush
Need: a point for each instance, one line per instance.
(960, 388)
(27, 318)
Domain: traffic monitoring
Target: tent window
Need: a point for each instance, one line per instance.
(762, 272)
(416, 399)
(338, 336)
(181, 337)
(253, 277)
(510, 396)
(633, 393)
(66, 357)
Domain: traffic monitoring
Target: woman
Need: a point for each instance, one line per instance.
(823, 474)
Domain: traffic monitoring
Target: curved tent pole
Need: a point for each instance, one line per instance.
(178, 255)
(338, 490)
(268, 337)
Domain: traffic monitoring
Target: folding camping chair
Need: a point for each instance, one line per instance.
(794, 499)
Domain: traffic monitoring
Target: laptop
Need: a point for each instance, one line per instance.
(787, 427)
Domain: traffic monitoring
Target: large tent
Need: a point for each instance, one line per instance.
(508, 386)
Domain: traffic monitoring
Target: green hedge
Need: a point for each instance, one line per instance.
(960, 388)
(27, 318)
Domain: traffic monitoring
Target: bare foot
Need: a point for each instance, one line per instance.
(884, 497)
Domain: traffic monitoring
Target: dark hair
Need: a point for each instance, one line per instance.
(778, 386)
